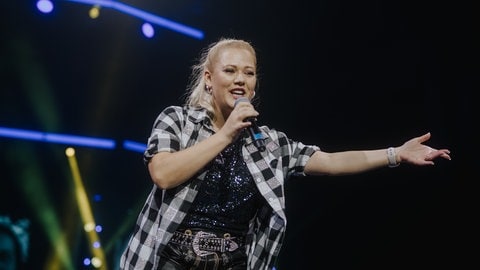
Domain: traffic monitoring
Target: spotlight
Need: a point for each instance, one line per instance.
(147, 30)
(45, 6)
(96, 262)
(88, 227)
(94, 12)
(86, 261)
(152, 18)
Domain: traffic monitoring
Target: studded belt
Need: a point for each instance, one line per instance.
(205, 243)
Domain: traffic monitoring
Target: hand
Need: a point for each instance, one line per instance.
(415, 152)
(235, 122)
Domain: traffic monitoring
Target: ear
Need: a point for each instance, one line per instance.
(207, 76)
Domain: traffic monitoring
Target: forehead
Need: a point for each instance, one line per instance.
(236, 56)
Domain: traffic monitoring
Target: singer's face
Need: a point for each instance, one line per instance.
(233, 76)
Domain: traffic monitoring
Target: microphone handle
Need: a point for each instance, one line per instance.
(256, 135)
(253, 129)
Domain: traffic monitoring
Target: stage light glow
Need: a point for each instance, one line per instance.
(21, 134)
(70, 152)
(56, 138)
(146, 16)
(78, 140)
(69, 139)
(96, 262)
(134, 146)
(147, 30)
(88, 227)
(97, 197)
(45, 6)
(86, 214)
(94, 12)
(34, 187)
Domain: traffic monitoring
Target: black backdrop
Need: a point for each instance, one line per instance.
(338, 74)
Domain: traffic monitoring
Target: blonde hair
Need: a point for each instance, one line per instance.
(197, 95)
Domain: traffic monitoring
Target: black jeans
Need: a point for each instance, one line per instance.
(181, 257)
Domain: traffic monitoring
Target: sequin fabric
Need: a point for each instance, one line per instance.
(228, 198)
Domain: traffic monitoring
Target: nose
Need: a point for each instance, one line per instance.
(239, 79)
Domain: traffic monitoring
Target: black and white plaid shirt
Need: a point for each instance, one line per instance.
(177, 128)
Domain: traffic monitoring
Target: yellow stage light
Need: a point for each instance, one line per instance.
(86, 212)
(94, 12)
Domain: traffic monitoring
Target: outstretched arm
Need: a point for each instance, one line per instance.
(413, 151)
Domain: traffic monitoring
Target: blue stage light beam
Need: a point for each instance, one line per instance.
(149, 17)
(134, 146)
(21, 134)
(57, 138)
(80, 140)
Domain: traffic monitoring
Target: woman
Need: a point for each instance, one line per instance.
(218, 201)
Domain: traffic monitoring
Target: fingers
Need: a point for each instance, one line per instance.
(446, 156)
(444, 153)
(246, 110)
(425, 137)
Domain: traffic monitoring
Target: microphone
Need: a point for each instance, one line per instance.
(253, 129)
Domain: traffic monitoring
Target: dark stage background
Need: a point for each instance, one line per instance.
(338, 74)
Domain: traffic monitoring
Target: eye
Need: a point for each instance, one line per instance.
(229, 70)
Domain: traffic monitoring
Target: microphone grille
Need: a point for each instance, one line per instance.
(241, 99)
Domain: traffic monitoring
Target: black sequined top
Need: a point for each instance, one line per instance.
(228, 199)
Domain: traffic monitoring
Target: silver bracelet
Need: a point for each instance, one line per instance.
(392, 157)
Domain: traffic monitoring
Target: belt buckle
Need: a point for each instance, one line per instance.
(196, 243)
